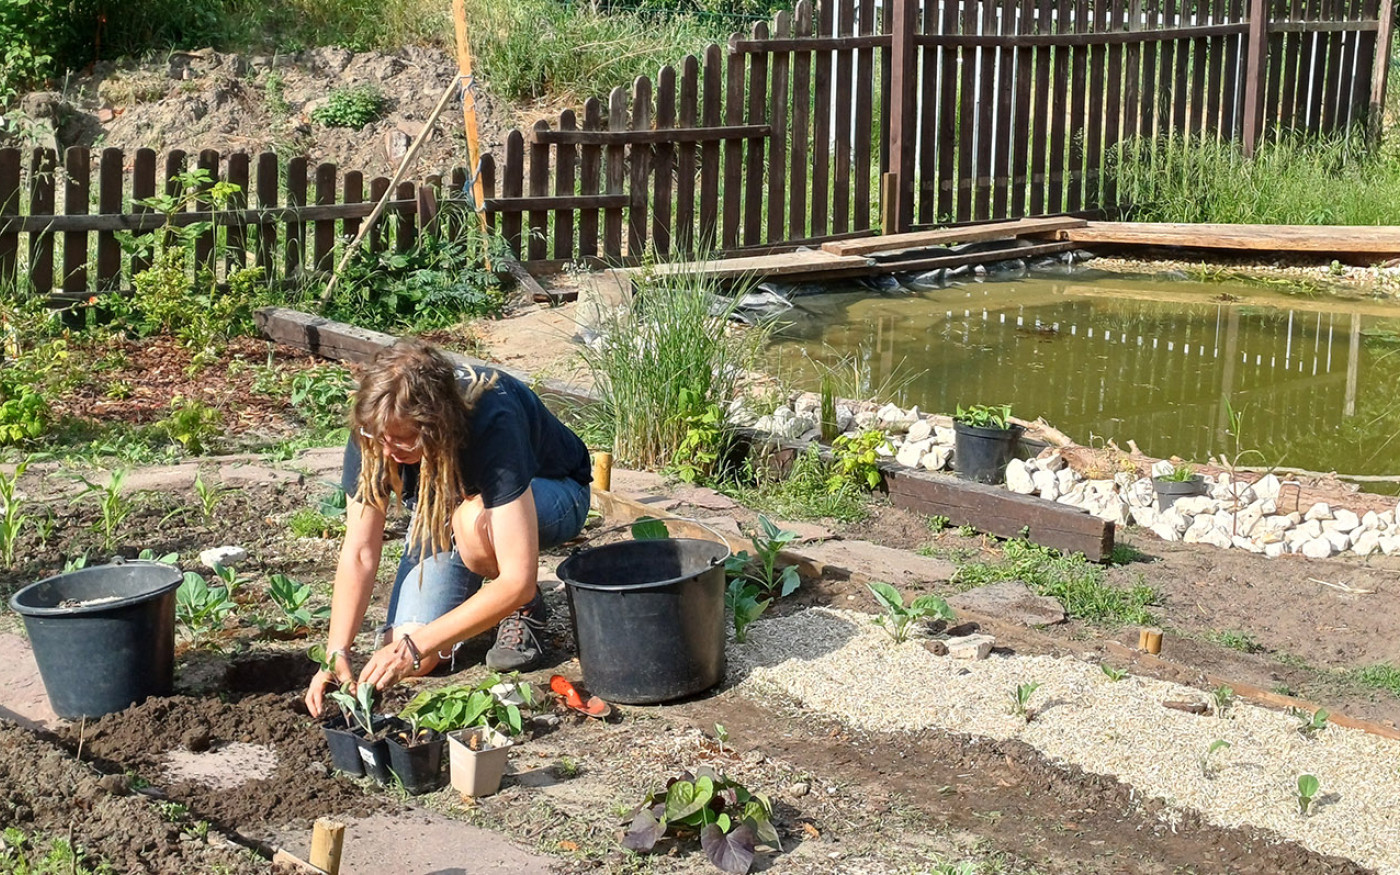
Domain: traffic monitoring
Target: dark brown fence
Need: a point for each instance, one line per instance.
(833, 120)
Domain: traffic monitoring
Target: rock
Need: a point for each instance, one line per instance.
(809, 403)
(937, 458)
(1050, 460)
(1266, 506)
(396, 144)
(1010, 600)
(1165, 531)
(1217, 537)
(1266, 487)
(1371, 521)
(921, 430)
(1018, 479)
(783, 415)
(1174, 518)
(1141, 494)
(801, 788)
(1390, 544)
(936, 647)
(1275, 549)
(1345, 520)
(890, 414)
(1067, 478)
(1195, 504)
(1249, 544)
(912, 453)
(1368, 542)
(865, 419)
(1162, 468)
(1046, 484)
(1276, 523)
(1319, 511)
(885, 450)
(945, 435)
(1311, 528)
(1144, 516)
(196, 739)
(1317, 548)
(971, 646)
(1113, 509)
(764, 424)
(225, 556)
(117, 785)
(1340, 541)
(1074, 497)
(797, 426)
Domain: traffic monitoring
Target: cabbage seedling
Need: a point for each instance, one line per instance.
(1218, 744)
(1020, 699)
(1223, 697)
(1307, 789)
(899, 619)
(359, 708)
(1314, 723)
(1114, 674)
(741, 598)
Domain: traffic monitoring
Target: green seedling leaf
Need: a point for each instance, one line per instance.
(1307, 789)
(644, 832)
(1114, 674)
(931, 606)
(888, 597)
(685, 798)
(730, 852)
(648, 529)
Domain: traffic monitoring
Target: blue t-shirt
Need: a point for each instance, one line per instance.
(514, 439)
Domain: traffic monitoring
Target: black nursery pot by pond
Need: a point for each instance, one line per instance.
(104, 637)
(981, 454)
(648, 617)
(1168, 491)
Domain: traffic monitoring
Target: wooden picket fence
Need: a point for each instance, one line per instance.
(829, 122)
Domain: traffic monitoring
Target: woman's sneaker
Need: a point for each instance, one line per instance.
(518, 645)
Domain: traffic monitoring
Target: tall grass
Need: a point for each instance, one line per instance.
(1334, 180)
(672, 338)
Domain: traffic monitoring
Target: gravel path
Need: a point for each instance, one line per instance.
(839, 663)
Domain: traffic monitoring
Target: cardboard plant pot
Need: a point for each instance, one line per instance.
(476, 765)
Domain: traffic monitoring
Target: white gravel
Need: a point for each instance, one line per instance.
(839, 663)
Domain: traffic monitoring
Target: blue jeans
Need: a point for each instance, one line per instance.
(561, 507)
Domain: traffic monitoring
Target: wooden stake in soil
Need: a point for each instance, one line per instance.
(1150, 640)
(327, 839)
(602, 471)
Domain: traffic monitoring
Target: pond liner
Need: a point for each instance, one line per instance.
(103, 636)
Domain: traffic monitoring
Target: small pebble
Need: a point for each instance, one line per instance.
(801, 788)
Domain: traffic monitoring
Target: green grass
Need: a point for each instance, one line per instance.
(1077, 583)
(1236, 639)
(1332, 180)
(24, 853)
(802, 493)
(308, 522)
(1382, 676)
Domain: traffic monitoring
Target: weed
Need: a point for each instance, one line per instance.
(1207, 769)
(803, 491)
(308, 522)
(967, 531)
(1236, 640)
(704, 443)
(12, 521)
(1020, 700)
(1307, 790)
(938, 523)
(1381, 676)
(173, 811)
(209, 496)
(113, 506)
(855, 460)
(899, 619)
(192, 424)
(566, 767)
(1113, 674)
(1223, 698)
(320, 396)
(352, 107)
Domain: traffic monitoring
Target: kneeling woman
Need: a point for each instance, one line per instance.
(491, 476)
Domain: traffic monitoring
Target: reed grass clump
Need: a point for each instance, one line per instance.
(662, 357)
(1328, 180)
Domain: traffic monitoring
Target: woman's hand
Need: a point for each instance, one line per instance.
(389, 665)
(343, 677)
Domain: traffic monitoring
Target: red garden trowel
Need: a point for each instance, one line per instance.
(592, 707)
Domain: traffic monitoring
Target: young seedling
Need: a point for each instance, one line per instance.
(113, 506)
(1218, 744)
(1020, 700)
(1307, 791)
(762, 568)
(741, 598)
(201, 608)
(11, 520)
(1223, 697)
(359, 708)
(721, 735)
(1113, 674)
(898, 620)
(209, 496)
(293, 597)
(1314, 723)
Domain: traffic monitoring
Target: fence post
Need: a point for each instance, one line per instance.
(1256, 68)
(903, 130)
(1380, 68)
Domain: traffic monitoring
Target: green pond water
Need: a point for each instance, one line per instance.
(1315, 377)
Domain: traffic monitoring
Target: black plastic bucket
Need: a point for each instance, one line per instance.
(104, 637)
(648, 617)
(981, 454)
(1168, 491)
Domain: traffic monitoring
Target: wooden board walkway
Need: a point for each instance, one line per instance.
(1369, 239)
(808, 264)
(944, 236)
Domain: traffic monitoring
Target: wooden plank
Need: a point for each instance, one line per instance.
(982, 171)
(323, 232)
(1076, 147)
(565, 170)
(294, 252)
(778, 138)
(147, 221)
(590, 169)
(1365, 59)
(352, 192)
(927, 120)
(911, 261)
(1332, 83)
(487, 191)
(1273, 89)
(863, 132)
(513, 186)
(810, 44)
(406, 229)
(267, 189)
(966, 178)
(715, 134)
(945, 208)
(758, 266)
(379, 233)
(1113, 107)
(640, 165)
(708, 231)
(1094, 131)
(1021, 124)
(1080, 40)
(1061, 63)
(43, 169)
(1181, 90)
(76, 185)
(536, 243)
(1040, 114)
(10, 175)
(732, 188)
(902, 120)
(1252, 113)
(208, 161)
(801, 118)
(110, 181)
(754, 148)
(1380, 68)
(664, 163)
(1002, 135)
(686, 163)
(1326, 27)
(821, 125)
(1316, 50)
(1231, 82)
(843, 86)
(1287, 61)
(1147, 117)
(174, 166)
(1368, 239)
(994, 510)
(236, 234)
(944, 236)
(1215, 55)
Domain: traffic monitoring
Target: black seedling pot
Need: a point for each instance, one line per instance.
(981, 454)
(417, 766)
(1168, 491)
(374, 752)
(345, 748)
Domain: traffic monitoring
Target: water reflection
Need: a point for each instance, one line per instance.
(1154, 361)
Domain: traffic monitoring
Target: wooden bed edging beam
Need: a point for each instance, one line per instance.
(1351, 239)
(994, 510)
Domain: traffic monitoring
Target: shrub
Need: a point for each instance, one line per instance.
(350, 107)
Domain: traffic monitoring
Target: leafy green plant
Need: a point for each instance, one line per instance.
(704, 443)
(1222, 697)
(1178, 474)
(113, 506)
(742, 600)
(762, 568)
(308, 522)
(200, 608)
(358, 709)
(899, 619)
(12, 521)
(938, 522)
(855, 460)
(1236, 639)
(352, 107)
(1113, 674)
(1313, 723)
(192, 424)
(210, 497)
(1206, 764)
(24, 413)
(1021, 698)
(294, 599)
(1308, 786)
(495, 703)
(983, 416)
(730, 821)
(321, 394)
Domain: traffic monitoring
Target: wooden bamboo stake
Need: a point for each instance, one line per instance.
(408, 157)
(1150, 640)
(327, 839)
(602, 471)
(464, 73)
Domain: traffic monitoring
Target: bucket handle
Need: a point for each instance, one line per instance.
(680, 519)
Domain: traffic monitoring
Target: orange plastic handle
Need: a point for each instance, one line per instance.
(560, 684)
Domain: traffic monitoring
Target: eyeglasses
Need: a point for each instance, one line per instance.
(401, 446)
